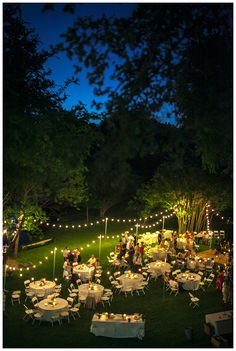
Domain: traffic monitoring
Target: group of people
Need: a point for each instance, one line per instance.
(73, 257)
(130, 252)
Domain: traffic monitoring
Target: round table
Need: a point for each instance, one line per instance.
(131, 280)
(181, 244)
(50, 308)
(42, 287)
(190, 281)
(159, 267)
(84, 272)
(95, 290)
(158, 253)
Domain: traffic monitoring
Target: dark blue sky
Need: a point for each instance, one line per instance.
(50, 24)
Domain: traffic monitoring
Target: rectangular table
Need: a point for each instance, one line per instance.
(117, 327)
(221, 321)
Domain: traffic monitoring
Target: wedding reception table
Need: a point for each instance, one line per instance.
(93, 290)
(84, 272)
(131, 280)
(158, 253)
(42, 286)
(159, 267)
(181, 244)
(189, 281)
(51, 306)
(118, 325)
(221, 321)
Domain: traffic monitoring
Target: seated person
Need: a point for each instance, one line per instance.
(91, 261)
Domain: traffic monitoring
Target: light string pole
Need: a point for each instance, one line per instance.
(106, 220)
(54, 261)
(100, 247)
(163, 222)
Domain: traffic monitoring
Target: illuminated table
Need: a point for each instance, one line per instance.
(50, 307)
(221, 321)
(45, 287)
(95, 290)
(116, 326)
(158, 253)
(181, 244)
(190, 281)
(159, 267)
(84, 272)
(131, 280)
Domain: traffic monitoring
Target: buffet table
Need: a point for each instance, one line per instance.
(84, 272)
(190, 281)
(131, 280)
(42, 286)
(93, 290)
(51, 307)
(221, 321)
(118, 325)
(159, 267)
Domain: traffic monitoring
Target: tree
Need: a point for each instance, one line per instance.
(165, 53)
(188, 191)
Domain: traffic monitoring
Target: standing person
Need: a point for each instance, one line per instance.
(137, 262)
(136, 248)
(159, 238)
(219, 280)
(141, 250)
(71, 256)
(65, 253)
(131, 257)
(79, 258)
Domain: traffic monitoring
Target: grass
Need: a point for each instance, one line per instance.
(166, 316)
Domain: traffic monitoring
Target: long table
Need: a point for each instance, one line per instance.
(221, 321)
(118, 326)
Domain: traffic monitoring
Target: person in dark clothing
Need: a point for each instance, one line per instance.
(130, 257)
(79, 258)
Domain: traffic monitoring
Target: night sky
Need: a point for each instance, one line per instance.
(50, 24)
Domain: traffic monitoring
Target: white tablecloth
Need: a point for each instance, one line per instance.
(158, 253)
(221, 321)
(48, 309)
(45, 289)
(84, 272)
(95, 290)
(132, 280)
(117, 327)
(159, 267)
(190, 281)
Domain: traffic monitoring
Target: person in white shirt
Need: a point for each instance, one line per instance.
(92, 261)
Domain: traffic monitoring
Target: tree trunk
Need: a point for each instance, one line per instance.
(19, 226)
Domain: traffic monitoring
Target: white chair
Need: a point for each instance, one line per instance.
(194, 300)
(29, 313)
(145, 275)
(202, 283)
(55, 318)
(29, 295)
(104, 300)
(26, 283)
(72, 294)
(73, 289)
(35, 301)
(15, 298)
(127, 290)
(37, 317)
(40, 296)
(210, 279)
(98, 281)
(174, 290)
(139, 289)
(109, 294)
(78, 282)
(65, 315)
(82, 299)
(116, 275)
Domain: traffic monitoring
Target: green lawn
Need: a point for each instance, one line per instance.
(166, 315)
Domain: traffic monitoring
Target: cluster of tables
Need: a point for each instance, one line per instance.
(118, 325)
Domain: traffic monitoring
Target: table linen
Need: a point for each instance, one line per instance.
(118, 326)
(95, 290)
(159, 267)
(42, 286)
(189, 281)
(221, 321)
(50, 307)
(131, 280)
(84, 272)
